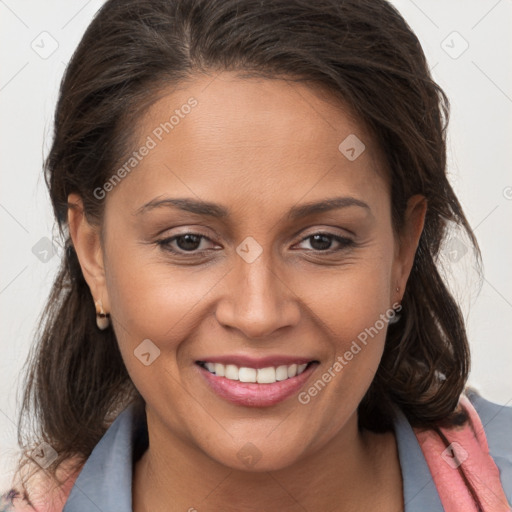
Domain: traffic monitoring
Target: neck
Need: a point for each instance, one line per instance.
(355, 471)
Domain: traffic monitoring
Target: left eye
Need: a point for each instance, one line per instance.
(323, 241)
(190, 242)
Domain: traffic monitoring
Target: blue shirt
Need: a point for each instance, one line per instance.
(105, 481)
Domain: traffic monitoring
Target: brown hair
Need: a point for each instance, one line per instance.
(365, 54)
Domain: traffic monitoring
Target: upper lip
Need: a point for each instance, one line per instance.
(256, 362)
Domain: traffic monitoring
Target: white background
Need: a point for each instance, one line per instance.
(478, 83)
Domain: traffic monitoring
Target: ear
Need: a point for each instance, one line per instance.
(407, 243)
(87, 243)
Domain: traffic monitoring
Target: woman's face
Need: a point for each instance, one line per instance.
(252, 285)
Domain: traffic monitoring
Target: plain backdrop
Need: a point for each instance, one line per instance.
(469, 47)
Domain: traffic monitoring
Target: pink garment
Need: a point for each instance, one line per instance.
(44, 495)
(467, 452)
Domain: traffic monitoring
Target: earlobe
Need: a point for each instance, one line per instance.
(87, 244)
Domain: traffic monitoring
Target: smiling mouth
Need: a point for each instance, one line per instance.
(267, 375)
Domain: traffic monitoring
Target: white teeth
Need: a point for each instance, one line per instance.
(292, 370)
(281, 372)
(267, 375)
(247, 374)
(219, 369)
(231, 372)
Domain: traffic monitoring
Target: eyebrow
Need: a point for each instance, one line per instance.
(218, 211)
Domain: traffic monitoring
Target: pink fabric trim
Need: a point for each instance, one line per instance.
(44, 494)
(469, 450)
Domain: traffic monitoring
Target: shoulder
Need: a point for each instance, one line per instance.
(492, 413)
(43, 493)
(497, 423)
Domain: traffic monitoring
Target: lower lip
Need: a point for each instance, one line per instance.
(252, 394)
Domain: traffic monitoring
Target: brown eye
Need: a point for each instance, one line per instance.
(184, 243)
(322, 242)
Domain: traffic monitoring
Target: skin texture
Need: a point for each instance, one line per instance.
(258, 147)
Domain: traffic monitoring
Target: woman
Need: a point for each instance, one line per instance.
(254, 199)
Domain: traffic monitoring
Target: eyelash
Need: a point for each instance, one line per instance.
(165, 243)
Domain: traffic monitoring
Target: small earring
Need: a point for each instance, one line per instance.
(102, 318)
(396, 317)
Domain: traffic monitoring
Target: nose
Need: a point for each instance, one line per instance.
(258, 299)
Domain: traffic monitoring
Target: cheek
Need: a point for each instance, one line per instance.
(353, 310)
(153, 300)
(351, 299)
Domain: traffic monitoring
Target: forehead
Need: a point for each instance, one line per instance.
(253, 113)
(252, 140)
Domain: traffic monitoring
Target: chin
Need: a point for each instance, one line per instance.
(257, 456)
